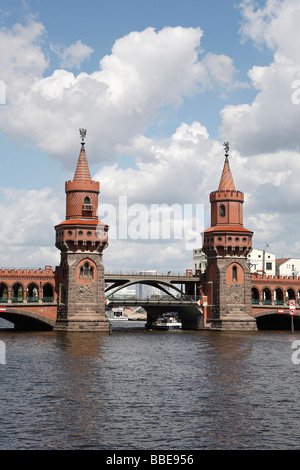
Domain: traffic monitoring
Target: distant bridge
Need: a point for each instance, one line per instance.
(189, 311)
(118, 281)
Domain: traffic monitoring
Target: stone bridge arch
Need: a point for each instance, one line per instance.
(27, 320)
(272, 320)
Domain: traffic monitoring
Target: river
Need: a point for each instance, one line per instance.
(149, 390)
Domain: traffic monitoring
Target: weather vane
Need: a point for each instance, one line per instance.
(226, 147)
(83, 134)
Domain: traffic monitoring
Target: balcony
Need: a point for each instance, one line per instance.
(87, 207)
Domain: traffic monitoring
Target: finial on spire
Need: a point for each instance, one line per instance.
(82, 134)
(226, 147)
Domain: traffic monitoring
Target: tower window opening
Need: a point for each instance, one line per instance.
(222, 211)
(87, 206)
(86, 271)
(234, 274)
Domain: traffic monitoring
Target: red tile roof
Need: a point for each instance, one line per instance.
(227, 229)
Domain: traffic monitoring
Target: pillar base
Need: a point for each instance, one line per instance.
(83, 326)
(237, 321)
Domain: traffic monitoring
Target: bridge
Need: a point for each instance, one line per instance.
(39, 312)
(190, 313)
(180, 294)
(161, 281)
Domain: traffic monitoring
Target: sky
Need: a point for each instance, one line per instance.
(159, 86)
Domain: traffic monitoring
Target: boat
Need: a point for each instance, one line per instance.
(168, 321)
(116, 314)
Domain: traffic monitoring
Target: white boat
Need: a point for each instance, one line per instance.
(167, 322)
(116, 314)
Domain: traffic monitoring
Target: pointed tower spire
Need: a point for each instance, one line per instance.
(82, 172)
(82, 192)
(226, 181)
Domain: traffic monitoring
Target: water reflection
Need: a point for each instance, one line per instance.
(137, 389)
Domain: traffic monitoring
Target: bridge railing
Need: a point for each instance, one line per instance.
(146, 274)
(152, 298)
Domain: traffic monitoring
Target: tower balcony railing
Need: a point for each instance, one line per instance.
(16, 299)
(275, 302)
(47, 299)
(3, 300)
(32, 299)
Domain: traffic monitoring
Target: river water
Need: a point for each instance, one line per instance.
(149, 390)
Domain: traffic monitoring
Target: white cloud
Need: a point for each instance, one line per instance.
(73, 55)
(27, 236)
(22, 59)
(271, 122)
(145, 71)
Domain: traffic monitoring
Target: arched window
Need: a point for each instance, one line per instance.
(32, 293)
(278, 297)
(234, 273)
(86, 200)
(47, 293)
(255, 295)
(3, 293)
(17, 293)
(266, 296)
(86, 271)
(222, 211)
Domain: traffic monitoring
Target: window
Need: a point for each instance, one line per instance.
(222, 210)
(268, 266)
(87, 206)
(86, 271)
(234, 274)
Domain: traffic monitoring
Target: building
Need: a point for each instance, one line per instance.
(199, 261)
(288, 267)
(239, 286)
(81, 239)
(258, 261)
(227, 281)
(262, 261)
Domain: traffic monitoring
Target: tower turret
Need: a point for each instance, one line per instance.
(81, 238)
(226, 244)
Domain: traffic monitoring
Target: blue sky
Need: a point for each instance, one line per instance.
(99, 24)
(223, 70)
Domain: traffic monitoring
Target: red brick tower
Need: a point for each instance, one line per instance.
(81, 238)
(226, 245)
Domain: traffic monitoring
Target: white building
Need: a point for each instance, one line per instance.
(258, 261)
(288, 267)
(199, 260)
(262, 261)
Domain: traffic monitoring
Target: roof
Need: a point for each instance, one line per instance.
(281, 261)
(226, 182)
(226, 228)
(82, 172)
(82, 222)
